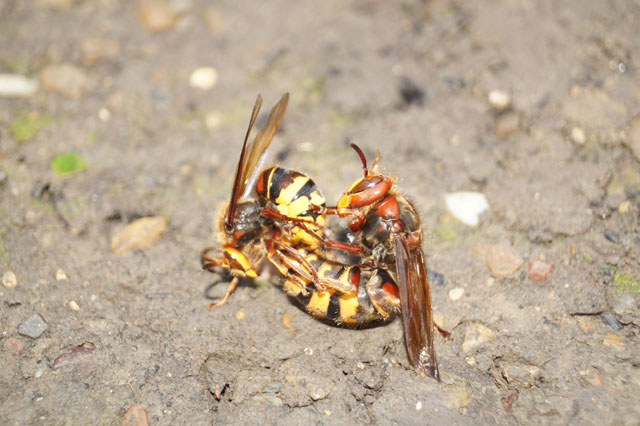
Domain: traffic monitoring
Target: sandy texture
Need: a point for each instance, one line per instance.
(411, 79)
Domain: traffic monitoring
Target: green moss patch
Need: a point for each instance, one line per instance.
(26, 126)
(625, 282)
(67, 162)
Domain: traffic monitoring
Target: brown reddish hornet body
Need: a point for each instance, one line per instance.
(387, 225)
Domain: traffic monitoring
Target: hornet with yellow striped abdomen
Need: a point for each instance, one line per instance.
(374, 300)
(282, 219)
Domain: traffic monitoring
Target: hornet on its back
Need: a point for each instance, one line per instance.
(387, 227)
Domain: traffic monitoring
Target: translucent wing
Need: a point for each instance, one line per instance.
(252, 153)
(415, 299)
(257, 148)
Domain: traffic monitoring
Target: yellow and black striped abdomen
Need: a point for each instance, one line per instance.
(352, 309)
(294, 195)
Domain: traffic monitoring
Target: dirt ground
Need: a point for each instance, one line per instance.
(559, 166)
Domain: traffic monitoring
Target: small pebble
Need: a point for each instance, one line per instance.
(507, 124)
(475, 336)
(624, 207)
(33, 327)
(9, 279)
(456, 293)
(435, 278)
(240, 315)
(327, 412)
(418, 406)
(156, 15)
(60, 275)
(466, 206)
(522, 375)
(75, 353)
(203, 78)
(410, 92)
(40, 370)
(73, 305)
(65, 79)
(136, 416)
(501, 261)
(17, 86)
(577, 136)
(500, 100)
(612, 236)
(143, 232)
(98, 50)
(104, 114)
(318, 394)
(595, 379)
(610, 319)
(539, 269)
(269, 400)
(612, 340)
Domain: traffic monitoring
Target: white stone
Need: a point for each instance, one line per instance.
(466, 206)
(456, 293)
(578, 136)
(499, 99)
(203, 78)
(9, 279)
(104, 114)
(17, 86)
(60, 275)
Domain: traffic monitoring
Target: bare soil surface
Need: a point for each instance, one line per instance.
(559, 167)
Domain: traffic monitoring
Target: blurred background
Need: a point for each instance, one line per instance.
(514, 126)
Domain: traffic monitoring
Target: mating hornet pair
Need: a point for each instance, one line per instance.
(377, 273)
